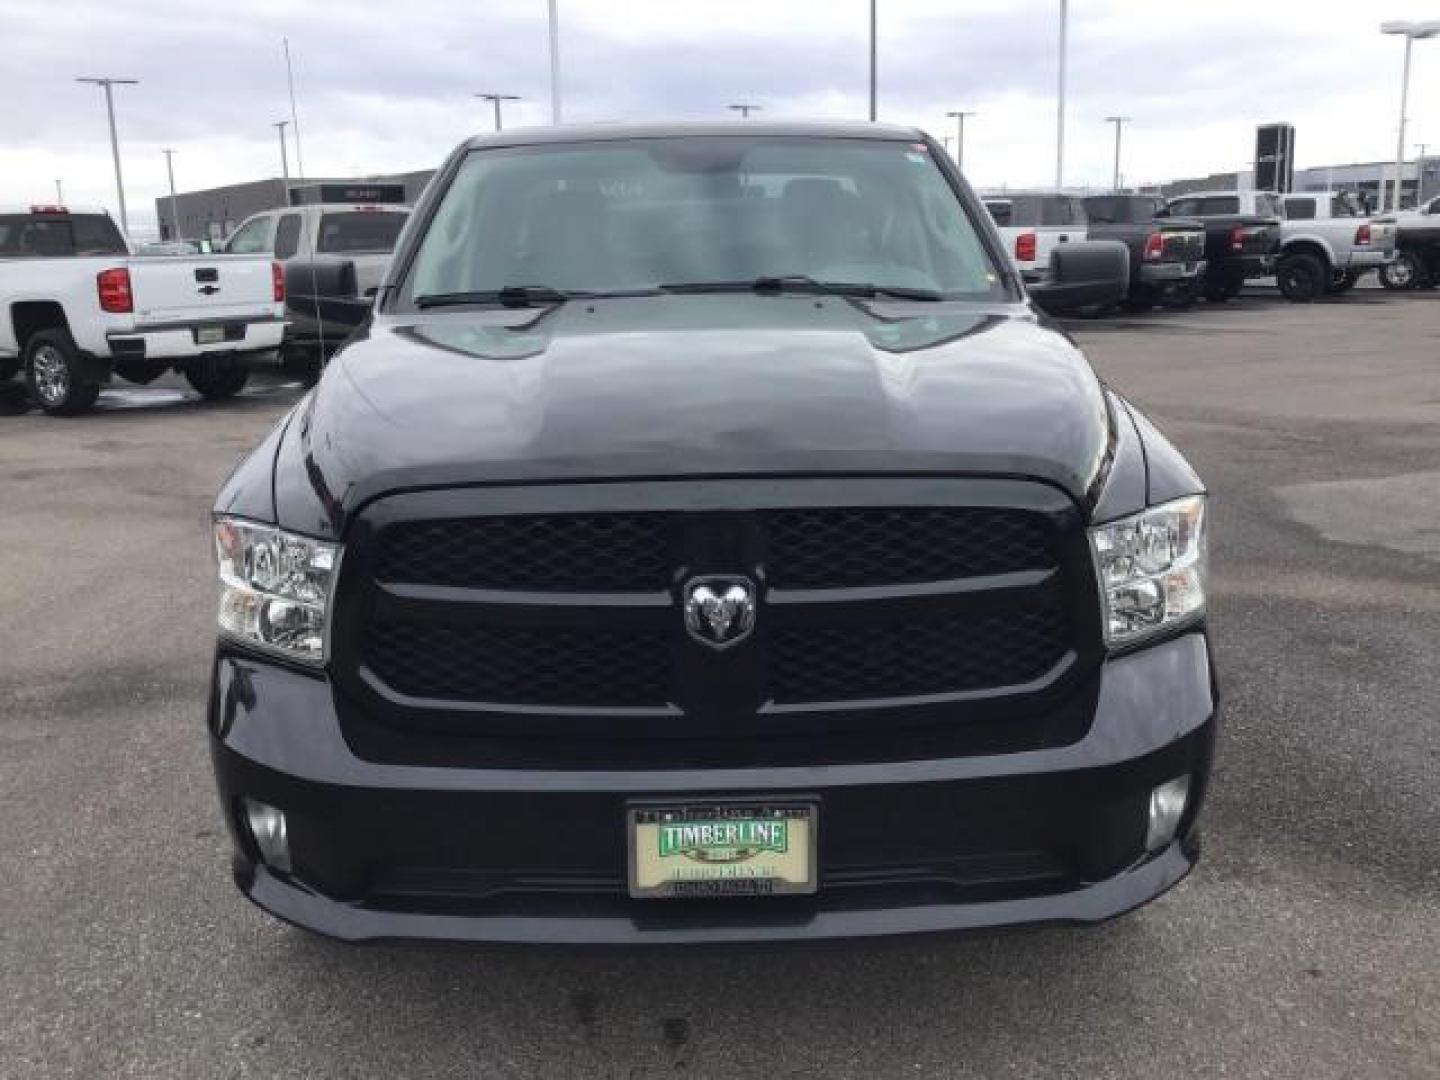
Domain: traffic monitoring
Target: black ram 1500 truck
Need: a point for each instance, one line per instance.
(1167, 255)
(705, 540)
(1238, 247)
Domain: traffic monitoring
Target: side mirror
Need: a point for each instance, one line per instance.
(1088, 274)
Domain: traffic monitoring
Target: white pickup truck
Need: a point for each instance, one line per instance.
(1330, 229)
(1033, 223)
(76, 308)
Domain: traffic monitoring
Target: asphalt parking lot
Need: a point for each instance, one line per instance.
(1306, 945)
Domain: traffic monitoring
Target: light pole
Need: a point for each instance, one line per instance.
(872, 61)
(1119, 122)
(280, 126)
(294, 113)
(174, 203)
(1412, 32)
(1060, 99)
(107, 82)
(496, 99)
(554, 63)
(958, 116)
(745, 110)
(59, 192)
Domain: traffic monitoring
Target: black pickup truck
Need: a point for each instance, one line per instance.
(707, 539)
(1167, 254)
(1239, 245)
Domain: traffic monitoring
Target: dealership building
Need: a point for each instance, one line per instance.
(213, 214)
(1420, 180)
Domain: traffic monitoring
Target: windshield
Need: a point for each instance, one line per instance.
(359, 231)
(637, 214)
(42, 235)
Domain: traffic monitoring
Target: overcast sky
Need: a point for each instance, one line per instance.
(386, 86)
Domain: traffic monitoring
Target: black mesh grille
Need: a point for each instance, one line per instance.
(558, 552)
(522, 667)
(829, 547)
(924, 656)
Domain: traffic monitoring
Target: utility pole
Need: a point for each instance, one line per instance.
(872, 62)
(59, 192)
(106, 82)
(554, 63)
(745, 110)
(959, 118)
(1060, 99)
(174, 203)
(294, 114)
(1119, 122)
(496, 99)
(280, 126)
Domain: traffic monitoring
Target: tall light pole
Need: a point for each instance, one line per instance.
(958, 116)
(1060, 99)
(107, 82)
(872, 62)
(1412, 32)
(1420, 149)
(745, 110)
(174, 202)
(280, 126)
(496, 99)
(1119, 122)
(59, 192)
(294, 113)
(554, 63)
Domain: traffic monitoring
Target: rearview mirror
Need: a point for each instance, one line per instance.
(1088, 274)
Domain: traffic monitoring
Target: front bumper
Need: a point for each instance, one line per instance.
(384, 850)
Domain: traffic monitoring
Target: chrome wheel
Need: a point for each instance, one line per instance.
(51, 375)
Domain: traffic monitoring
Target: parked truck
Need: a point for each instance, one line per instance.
(705, 540)
(1327, 241)
(1242, 237)
(1417, 256)
(1167, 254)
(77, 309)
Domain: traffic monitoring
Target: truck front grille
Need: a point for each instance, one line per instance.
(858, 607)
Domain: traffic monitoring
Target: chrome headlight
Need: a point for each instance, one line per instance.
(1152, 570)
(275, 588)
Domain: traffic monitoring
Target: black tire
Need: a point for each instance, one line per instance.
(1220, 287)
(216, 379)
(1302, 278)
(54, 375)
(302, 362)
(1402, 273)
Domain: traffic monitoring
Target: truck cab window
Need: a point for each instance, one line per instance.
(253, 237)
(287, 236)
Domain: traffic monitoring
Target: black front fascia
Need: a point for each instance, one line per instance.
(719, 694)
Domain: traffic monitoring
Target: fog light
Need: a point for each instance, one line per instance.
(267, 829)
(1167, 807)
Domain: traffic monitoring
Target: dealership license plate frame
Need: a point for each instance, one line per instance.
(725, 884)
(210, 335)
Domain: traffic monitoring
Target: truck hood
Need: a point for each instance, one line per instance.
(711, 385)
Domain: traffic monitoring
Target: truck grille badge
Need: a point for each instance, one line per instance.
(719, 611)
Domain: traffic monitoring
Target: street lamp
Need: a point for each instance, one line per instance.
(1412, 32)
(554, 63)
(872, 61)
(1060, 99)
(496, 99)
(745, 110)
(958, 116)
(107, 82)
(174, 203)
(1119, 122)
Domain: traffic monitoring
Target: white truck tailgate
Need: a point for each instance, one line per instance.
(169, 289)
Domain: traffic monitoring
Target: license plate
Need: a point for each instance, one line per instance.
(722, 849)
(209, 335)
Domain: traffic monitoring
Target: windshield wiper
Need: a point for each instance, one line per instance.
(801, 283)
(524, 296)
(518, 296)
